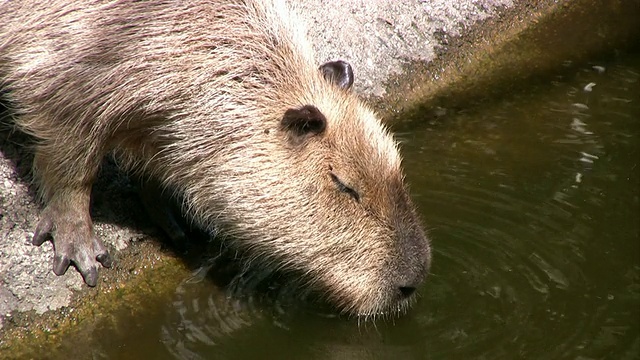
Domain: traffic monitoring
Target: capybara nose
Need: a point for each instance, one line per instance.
(407, 291)
(409, 280)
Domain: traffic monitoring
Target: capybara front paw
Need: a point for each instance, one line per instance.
(74, 243)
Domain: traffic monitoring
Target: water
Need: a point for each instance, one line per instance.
(532, 202)
(534, 207)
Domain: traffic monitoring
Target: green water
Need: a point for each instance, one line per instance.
(532, 204)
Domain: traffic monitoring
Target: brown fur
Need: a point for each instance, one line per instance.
(193, 94)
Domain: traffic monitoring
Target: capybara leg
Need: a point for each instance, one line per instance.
(67, 220)
(163, 211)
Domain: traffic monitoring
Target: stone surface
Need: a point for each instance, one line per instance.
(379, 37)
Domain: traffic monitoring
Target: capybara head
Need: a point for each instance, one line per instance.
(317, 187)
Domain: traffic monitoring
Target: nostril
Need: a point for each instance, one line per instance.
(407, 291)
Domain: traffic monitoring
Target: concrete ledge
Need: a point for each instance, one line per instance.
(524, 44)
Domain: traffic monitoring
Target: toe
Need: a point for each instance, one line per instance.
(42, 231)
(101, 253)
(90, 276)
(105, 259)
(60, 264)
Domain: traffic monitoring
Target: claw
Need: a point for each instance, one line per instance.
(105, 259)
(42, 230)
(90, 276)
(60, 264)
(74, 241)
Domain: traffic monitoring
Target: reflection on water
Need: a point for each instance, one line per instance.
(532, 203)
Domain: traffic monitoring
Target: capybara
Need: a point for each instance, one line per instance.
(223, 103)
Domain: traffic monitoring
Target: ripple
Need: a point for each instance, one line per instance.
(202, 315)
(501, 263)
(207, 317)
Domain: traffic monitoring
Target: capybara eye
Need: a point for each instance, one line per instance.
(344, 188)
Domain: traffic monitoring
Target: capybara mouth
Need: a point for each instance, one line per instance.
(386, 309)
(383, 302)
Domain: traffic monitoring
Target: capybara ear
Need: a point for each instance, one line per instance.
(339, 73)
(303, 122)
